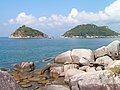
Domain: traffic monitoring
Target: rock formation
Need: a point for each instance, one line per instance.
(77, 69)
(7, 82)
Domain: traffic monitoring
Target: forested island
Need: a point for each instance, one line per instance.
(90, 31)
(27, 32)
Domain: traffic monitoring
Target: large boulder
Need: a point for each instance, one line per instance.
(113, 49)
(82, 56)
(105, 60)
(71, 72)
(100, 52)
(7, 82)
(24, 66)
(64, 57)
(98, 80)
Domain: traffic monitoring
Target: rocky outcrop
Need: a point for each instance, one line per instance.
(7, 82)
(70, 66)
(100, 52)
(64, 57)
(24, 66)
(83, 56)
(80, 56)
(71, 72)
(55, 70)
(98, 80)
(78, 69)
(105, 60)
(113, 49)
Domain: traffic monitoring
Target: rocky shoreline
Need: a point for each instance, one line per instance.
(93, 37)
(77, 69)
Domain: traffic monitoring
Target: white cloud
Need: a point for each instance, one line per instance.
(109, 16)
(22, 18)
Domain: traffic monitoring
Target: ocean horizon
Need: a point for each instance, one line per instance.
(35, 50)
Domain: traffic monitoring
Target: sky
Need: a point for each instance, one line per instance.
(54, 17)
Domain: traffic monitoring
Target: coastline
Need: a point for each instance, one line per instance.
(91, 63)
(92, 37)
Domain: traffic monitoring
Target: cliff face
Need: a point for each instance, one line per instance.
(86, 30)
(27, 32)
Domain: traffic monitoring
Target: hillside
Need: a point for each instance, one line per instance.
(90, 30)
(27, 32)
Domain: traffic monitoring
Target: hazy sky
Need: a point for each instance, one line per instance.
(54, 17)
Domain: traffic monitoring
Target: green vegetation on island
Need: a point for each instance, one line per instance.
(27, 32)
(87, 30)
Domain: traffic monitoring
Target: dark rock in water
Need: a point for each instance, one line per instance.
(3, 69)
(27, 85)
(48, 59)
(7, 82)
(24, 66)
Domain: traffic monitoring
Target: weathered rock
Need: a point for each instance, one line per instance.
(44, 82)
(56, 87)
(99, 68)
(7, 82)
(62, 74)
(55, 71)
(24, 66)
(27, 85)
(113, 49)
(113, 64)
(72, 72)
(44, 70)
(34, 79)
(64, 57)
(69, 66)
(24, 82)
(84, 68)
(105, 60)
(94, 81)
(90, 69)
(58, 81)
(100, 52)
(21, 76)
(83, 56)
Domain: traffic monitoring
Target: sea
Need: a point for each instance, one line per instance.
(36, 50)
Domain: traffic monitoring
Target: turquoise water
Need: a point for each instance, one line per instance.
(19, 50)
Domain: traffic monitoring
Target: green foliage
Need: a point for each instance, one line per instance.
(27, 31)
(90, 30)
(115, 71)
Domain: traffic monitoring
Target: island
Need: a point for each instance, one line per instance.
(90, 31)
(27, 32)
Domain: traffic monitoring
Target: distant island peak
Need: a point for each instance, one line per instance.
(27, 32)
(90, 31)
